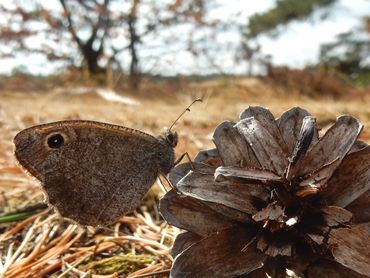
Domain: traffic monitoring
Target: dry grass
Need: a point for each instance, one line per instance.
(138, 245)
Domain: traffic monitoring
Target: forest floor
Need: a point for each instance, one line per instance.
(43, 244)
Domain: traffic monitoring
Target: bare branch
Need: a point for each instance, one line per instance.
(70, 26)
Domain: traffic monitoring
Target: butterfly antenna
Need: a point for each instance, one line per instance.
(186, 110)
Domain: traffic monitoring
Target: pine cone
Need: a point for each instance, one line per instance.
(274, 199)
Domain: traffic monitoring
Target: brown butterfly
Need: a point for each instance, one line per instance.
(94, 172)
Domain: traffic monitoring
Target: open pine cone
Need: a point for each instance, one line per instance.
(274, 199)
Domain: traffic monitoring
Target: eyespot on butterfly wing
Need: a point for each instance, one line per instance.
(92, 172)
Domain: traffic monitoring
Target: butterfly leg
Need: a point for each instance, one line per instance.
(163, 185)
(182, 157)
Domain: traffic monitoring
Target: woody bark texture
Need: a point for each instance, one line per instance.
(274, 198)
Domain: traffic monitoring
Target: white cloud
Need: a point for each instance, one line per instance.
(299, 43)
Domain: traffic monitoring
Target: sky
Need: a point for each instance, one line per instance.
(299, 44)
(296, 46)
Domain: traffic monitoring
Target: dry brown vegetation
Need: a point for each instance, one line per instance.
(139, 244)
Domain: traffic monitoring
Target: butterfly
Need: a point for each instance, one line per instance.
(94, 172)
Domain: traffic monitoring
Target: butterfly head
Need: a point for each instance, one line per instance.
(171, 138)
(166, 155)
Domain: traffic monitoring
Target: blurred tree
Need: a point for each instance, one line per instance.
(250, 54)
(284, 12)
(269, 22)
(350, 53)
(93, 33)
(353, 53)
(32, 27)
(96, 16)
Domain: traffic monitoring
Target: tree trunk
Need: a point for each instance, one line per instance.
(91, 57)
(134, 40)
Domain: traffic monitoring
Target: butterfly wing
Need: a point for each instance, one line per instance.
(95, 172)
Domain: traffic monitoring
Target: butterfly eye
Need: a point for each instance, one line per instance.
(55, 141)
(171, 138)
